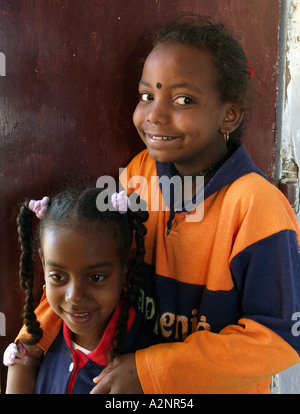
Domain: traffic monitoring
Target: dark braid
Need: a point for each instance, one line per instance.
(26, 273)
(135, 282)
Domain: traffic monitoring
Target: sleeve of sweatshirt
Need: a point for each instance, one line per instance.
(239, 359)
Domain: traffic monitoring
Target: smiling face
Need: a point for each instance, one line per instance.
(183, 120)
(84, 279)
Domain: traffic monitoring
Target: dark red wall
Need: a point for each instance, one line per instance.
(70, 88)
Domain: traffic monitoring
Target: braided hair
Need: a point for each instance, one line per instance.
(27, 243)
(80, 206)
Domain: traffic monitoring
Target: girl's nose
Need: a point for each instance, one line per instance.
(158, 113)
(75, 293)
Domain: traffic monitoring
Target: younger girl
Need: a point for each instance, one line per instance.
(91, 282)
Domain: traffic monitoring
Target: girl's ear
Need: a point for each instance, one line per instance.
(234, 113)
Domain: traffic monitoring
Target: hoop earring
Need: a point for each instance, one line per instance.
(226, 136)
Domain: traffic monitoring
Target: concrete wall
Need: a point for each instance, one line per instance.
(288, 137)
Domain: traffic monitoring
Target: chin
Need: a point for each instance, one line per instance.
(160, 156)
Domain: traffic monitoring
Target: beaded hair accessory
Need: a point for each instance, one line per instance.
(120, 202)
(39, 207)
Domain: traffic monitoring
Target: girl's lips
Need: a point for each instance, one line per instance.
(79, 317)
(160, 137)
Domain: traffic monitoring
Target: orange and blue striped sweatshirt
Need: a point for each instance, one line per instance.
(221, 294)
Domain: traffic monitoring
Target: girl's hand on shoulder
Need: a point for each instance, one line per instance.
(120, 377)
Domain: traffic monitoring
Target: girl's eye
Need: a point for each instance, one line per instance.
(55, 277)
(183, 100)
(145, 97)
(97, 278)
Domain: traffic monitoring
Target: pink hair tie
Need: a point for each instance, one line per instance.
(17, 354)
(120, 202)
(39, 207)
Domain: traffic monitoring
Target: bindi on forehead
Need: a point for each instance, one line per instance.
(159, 85)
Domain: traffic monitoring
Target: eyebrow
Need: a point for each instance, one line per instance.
(142, 82)
(177, 85)
(95, 266)
(186, 85)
